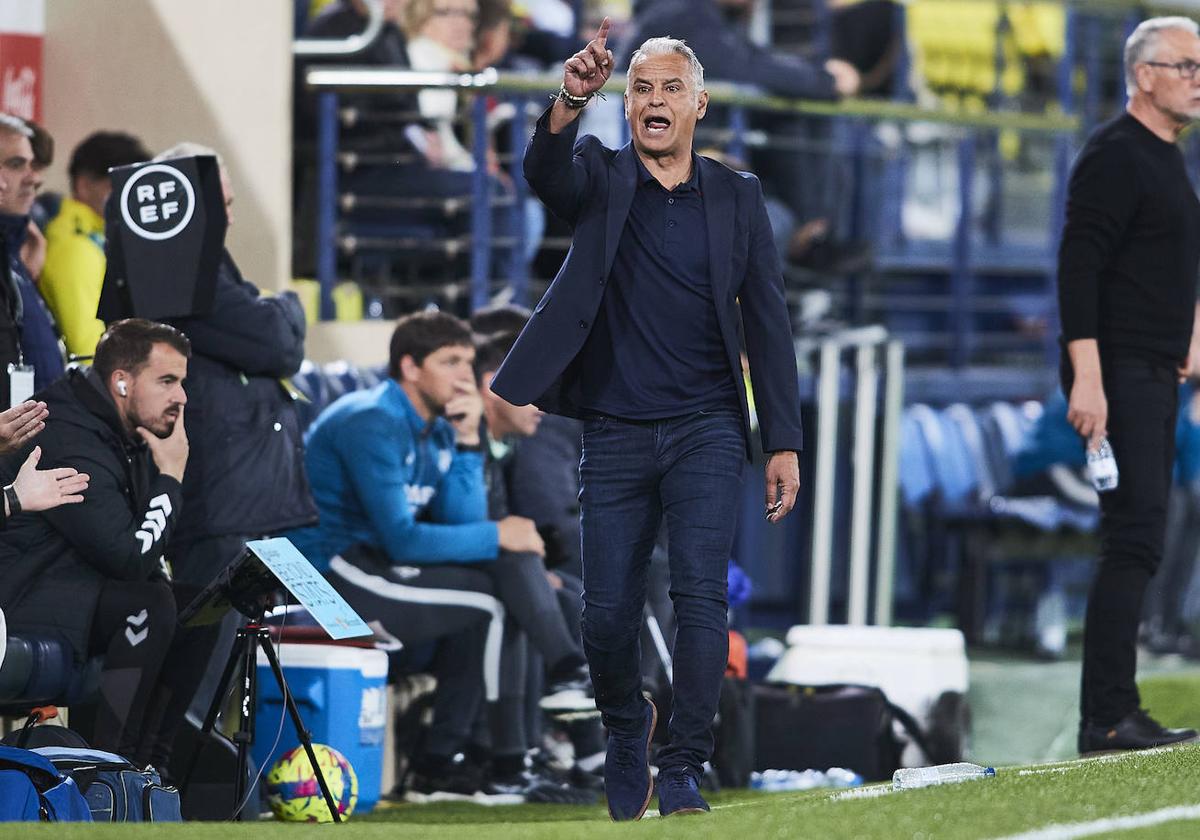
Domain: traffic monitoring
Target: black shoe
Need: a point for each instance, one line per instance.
(574, 776)
(627, 781)
(572, 693)
(443, 780)
(1136, 731)
(679, 793)
(535, 788)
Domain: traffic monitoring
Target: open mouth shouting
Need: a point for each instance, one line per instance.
(656, 125)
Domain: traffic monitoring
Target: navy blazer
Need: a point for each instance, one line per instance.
(591, 187)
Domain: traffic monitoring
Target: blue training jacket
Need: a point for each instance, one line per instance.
(383, 477)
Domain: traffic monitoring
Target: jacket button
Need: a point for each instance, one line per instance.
(583, 325)
(278, 427)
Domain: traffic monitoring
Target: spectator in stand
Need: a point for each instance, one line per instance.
(864, 33)
(39, 340)
(95, 573)
(33, 251)
(427, 160)
(75, 262)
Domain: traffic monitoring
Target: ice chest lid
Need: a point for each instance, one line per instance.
(373, 664)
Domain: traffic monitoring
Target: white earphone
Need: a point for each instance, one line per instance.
(121, 387)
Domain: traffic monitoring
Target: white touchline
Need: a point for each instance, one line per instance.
(1075, 764)
(1087, 829)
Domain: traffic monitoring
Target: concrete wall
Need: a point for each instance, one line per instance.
(218, 72)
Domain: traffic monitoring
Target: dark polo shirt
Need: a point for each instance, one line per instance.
(655, 349)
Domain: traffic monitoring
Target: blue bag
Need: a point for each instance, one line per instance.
(116, 790)
(32, 789)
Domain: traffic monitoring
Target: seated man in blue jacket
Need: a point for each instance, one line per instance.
(404, 534)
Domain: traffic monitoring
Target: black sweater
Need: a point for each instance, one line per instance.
(1131, 243)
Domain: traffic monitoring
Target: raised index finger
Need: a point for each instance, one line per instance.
(602, 32)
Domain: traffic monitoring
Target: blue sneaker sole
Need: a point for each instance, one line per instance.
(649, 778)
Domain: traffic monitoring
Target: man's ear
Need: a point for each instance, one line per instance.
(702, 105)
(1143, 74)
(118, 382)
(410, 371)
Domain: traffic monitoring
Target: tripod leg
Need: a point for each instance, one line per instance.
(214, 708)
(301, 732)
(244, 737)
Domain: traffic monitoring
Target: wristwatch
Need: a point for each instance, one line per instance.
(14, 501)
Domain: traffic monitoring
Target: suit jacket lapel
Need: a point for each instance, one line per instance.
(718, 216)
(622, 184)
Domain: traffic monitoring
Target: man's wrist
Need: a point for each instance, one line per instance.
(573, 102)
(12, 500)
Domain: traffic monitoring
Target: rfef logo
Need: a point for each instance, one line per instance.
(157, 202)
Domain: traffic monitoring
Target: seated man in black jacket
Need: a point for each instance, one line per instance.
(94, 573)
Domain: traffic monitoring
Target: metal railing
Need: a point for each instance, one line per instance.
(330, 83)
(346, 47)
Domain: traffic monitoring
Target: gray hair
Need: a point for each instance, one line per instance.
(669, 46)
(189, 149)
(1142, 45)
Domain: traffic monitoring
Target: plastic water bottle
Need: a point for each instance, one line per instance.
(907, 778)
(1102, 467)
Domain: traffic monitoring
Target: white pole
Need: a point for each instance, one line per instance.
(863, 468)
(889, 481)
(828, 394)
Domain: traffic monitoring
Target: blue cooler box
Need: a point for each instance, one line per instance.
(342, 696)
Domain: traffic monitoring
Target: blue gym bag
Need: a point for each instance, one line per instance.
(32, 789)
(115, 790)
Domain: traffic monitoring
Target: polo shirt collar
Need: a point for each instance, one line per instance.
(691, 184)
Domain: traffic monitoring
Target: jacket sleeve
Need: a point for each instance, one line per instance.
(1102, 197)
(462, 494)
(556, 168)
(122, 544)
(376, 449)
(260, 336)
(70, 283)
(769, 345)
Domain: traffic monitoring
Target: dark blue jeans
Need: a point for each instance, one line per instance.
(632, 474)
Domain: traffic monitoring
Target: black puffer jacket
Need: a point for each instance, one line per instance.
(245, 473)
(52, 564)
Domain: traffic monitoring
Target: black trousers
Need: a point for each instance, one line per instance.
(1143, 399)
(151, 667)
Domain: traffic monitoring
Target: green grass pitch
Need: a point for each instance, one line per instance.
(1036, 803)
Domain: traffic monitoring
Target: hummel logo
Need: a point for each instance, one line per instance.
(136, 638)
(156, 521)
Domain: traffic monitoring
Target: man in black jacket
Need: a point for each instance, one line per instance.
(94, 573)
(247, 476)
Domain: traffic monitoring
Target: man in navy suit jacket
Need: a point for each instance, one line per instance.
(639, 336)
